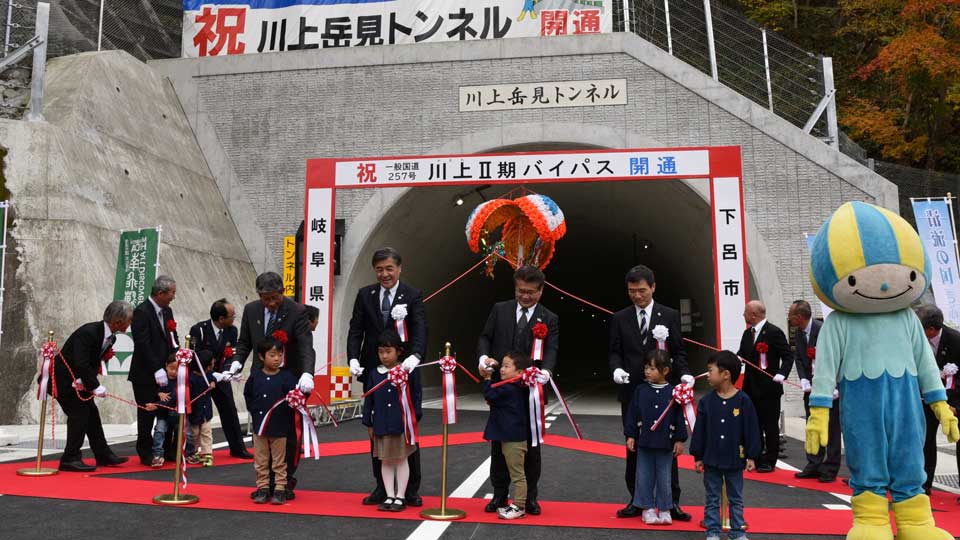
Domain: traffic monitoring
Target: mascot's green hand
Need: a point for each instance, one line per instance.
(947, 420)
(817, 429)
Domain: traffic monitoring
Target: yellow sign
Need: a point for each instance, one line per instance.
(289, 265)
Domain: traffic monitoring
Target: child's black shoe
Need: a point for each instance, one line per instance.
(261, 496)
(398, 505)
(279, 497)
(386, 505)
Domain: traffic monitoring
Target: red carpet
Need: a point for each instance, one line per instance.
(102, 487)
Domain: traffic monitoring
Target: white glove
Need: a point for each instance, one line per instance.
(100, 391)
(805, 386)
(306, 383)
(219, 376)
(410, 362)
(620, 376)
(778, 378)
(235, 367)
(160, 376)
(688, 380)
(544, 376)
(836, 393)
(355, 368)
(484, 366)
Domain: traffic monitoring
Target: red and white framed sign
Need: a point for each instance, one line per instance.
(721, 166)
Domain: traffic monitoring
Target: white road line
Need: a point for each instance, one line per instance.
(786, 466)
(547, 425)
(433, 530)
(488, 496)
(836, 507)
(225, 443)
(844, 498)
(551, 418)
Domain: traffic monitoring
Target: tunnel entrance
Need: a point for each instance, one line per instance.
(666, 222)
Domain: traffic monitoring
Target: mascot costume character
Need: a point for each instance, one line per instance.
(869, 265)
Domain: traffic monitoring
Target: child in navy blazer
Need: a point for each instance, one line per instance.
(655, 448)
(383, 416)
(202, 409)
(725, 440)
(166, 409)
(264, 388)
(509, 427)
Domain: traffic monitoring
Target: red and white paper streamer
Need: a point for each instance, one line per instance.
(448, 367)
(184, 357)
(306, 431)
(48, 353)
(399, 378)
(530, 377)
(683, 396)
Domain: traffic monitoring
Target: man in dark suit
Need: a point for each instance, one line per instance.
(153, 341)
(372, 313)
(214, 335)
(261, 318)
(825, 464)
(83, 352)
(631, 339)
(945, 342)
(510, 327)
(765, 388)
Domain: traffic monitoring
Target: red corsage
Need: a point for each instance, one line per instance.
(811, 352)
(228, 352)
(108, 354)
(540, 330)
(762, 347)
(171, 325)
(280, 336)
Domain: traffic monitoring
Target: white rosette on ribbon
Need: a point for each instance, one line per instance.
(949, 376)
(399, 314)
(660, 333)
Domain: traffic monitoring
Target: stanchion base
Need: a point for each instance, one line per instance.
(169, 499)
(33, 471)
(451, 514)
(725, 527)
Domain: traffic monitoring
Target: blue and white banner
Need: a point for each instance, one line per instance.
(935, 224)
(218, 28)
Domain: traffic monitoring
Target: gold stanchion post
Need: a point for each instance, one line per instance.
(176, 498)
(37, 470)
(443, 513)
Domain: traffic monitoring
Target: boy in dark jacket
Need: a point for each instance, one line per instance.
(202, 409)
(508, 426)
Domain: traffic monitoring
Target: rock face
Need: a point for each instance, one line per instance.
(115, 153)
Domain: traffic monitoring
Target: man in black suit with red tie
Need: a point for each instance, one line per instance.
(825, 464)
(631, 339)
(154, 338)
(510, 327)
(765, 388)
(83, 351)
(373, 311)
(214, 335)
(945, 342)
(261, 318)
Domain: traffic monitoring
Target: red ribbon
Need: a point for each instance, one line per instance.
(281, 336)
(812, 355)
(762, 348)
(399, 377)
(448, 366)
(540, 332)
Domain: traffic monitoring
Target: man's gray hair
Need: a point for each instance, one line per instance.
(162, 284)
(269, 282)
(118, 310)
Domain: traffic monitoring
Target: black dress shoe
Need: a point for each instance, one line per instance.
(764, 468)
(257, 492)
(532, 507)
(375, 498)
(112, 460)
(413, 500)
(827, 479)
(76, 466)
(807, 474)
(494, 504)
(629, 511)
(678, 514)
(289, 495)
(244, 454)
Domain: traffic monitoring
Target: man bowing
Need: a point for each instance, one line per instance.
(388, 303)
(510, 326)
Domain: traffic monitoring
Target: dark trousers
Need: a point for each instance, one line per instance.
(500, 475)
(630, 473)
(827, 461)
(768, 413)
(83, 420)
(222, 395)
(413, 485)
(143, 394)
(930, 448)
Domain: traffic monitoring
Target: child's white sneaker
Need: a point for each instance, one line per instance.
(511, 512)
(713, 538)
(650, 516)
(665, 518)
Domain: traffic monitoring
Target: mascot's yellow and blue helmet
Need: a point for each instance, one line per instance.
(866, 259)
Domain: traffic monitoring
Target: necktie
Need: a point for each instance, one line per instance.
(217, 333)
(111, 339)
(518, 334)
(385, 306)
(270, 321)
(643, 325)
(753, 333)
